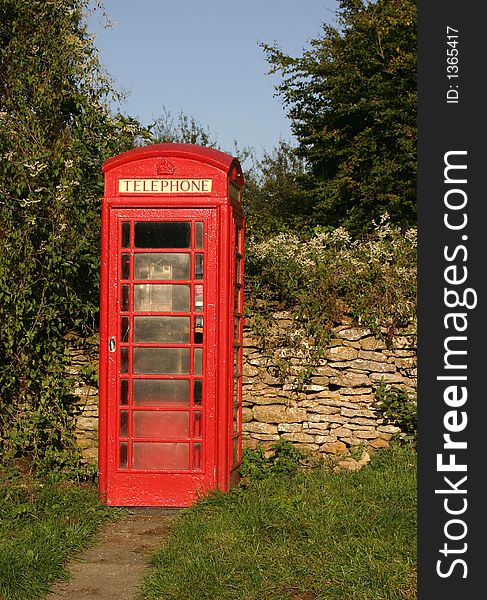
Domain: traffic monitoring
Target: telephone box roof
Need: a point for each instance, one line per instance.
(216, 158)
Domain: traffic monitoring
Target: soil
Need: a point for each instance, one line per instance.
(114, 566)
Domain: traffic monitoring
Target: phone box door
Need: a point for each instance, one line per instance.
(161, 363)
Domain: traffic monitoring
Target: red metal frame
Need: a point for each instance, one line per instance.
(218, 205)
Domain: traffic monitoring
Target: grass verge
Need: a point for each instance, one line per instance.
(309, 536)
(41, 525)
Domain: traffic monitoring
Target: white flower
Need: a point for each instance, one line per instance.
(35, 167)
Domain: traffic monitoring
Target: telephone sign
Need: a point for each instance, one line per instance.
(171, 323)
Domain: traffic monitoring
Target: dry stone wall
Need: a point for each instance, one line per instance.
(329, 414)
(333, 411)
(83, 369)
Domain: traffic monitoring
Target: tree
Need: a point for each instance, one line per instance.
(273, 200)
(186, 130)
(55, 132)
(351, 99)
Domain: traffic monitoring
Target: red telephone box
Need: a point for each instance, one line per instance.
(171, 322)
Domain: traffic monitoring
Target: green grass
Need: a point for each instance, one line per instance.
(309, 536)
(41, 526)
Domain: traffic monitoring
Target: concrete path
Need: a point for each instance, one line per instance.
(113, 568)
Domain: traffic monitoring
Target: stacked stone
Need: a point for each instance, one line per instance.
(82, 355)
(330, 414)
(334, 410)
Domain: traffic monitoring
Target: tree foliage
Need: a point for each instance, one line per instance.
(55, 131)
(273, 199)
(351, 99)
(184, 130)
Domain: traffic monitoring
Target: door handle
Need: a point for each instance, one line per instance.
(112, 344)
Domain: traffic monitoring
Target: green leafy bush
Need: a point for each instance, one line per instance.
(398, 409)
(282, 458)
(321, 278)
(351, 99)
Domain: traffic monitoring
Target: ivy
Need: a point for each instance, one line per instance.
(55, 132)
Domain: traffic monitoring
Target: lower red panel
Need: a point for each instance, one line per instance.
(156, 489)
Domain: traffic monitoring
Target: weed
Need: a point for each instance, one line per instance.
(396, 407)
(282, 458)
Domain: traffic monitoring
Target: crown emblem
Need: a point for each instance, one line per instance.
(165, 167)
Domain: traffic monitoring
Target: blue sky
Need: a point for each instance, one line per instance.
(203, 58)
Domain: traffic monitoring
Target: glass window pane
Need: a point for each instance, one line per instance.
(197, 392)
(124, 360)
(169, 330)
(238, 238)
(125, 266)
(161, 424)
(123, 455)
(198, 298)
(197, 456)
(199, 235)
(161, 392)
(198, 330)
(125, 234)
(125, 297)
(161, 266)
(237, 270)
(162, 235)
(160, 456)
(161, 297)
(161, 360)
(236, 329)
(198, 266)
(124, 391)
(235, 451)
(197, 424)
(236, 298)
(198, 361)
(124, 329)
(124, 423)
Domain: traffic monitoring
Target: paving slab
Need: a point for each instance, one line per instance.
(114, 566)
